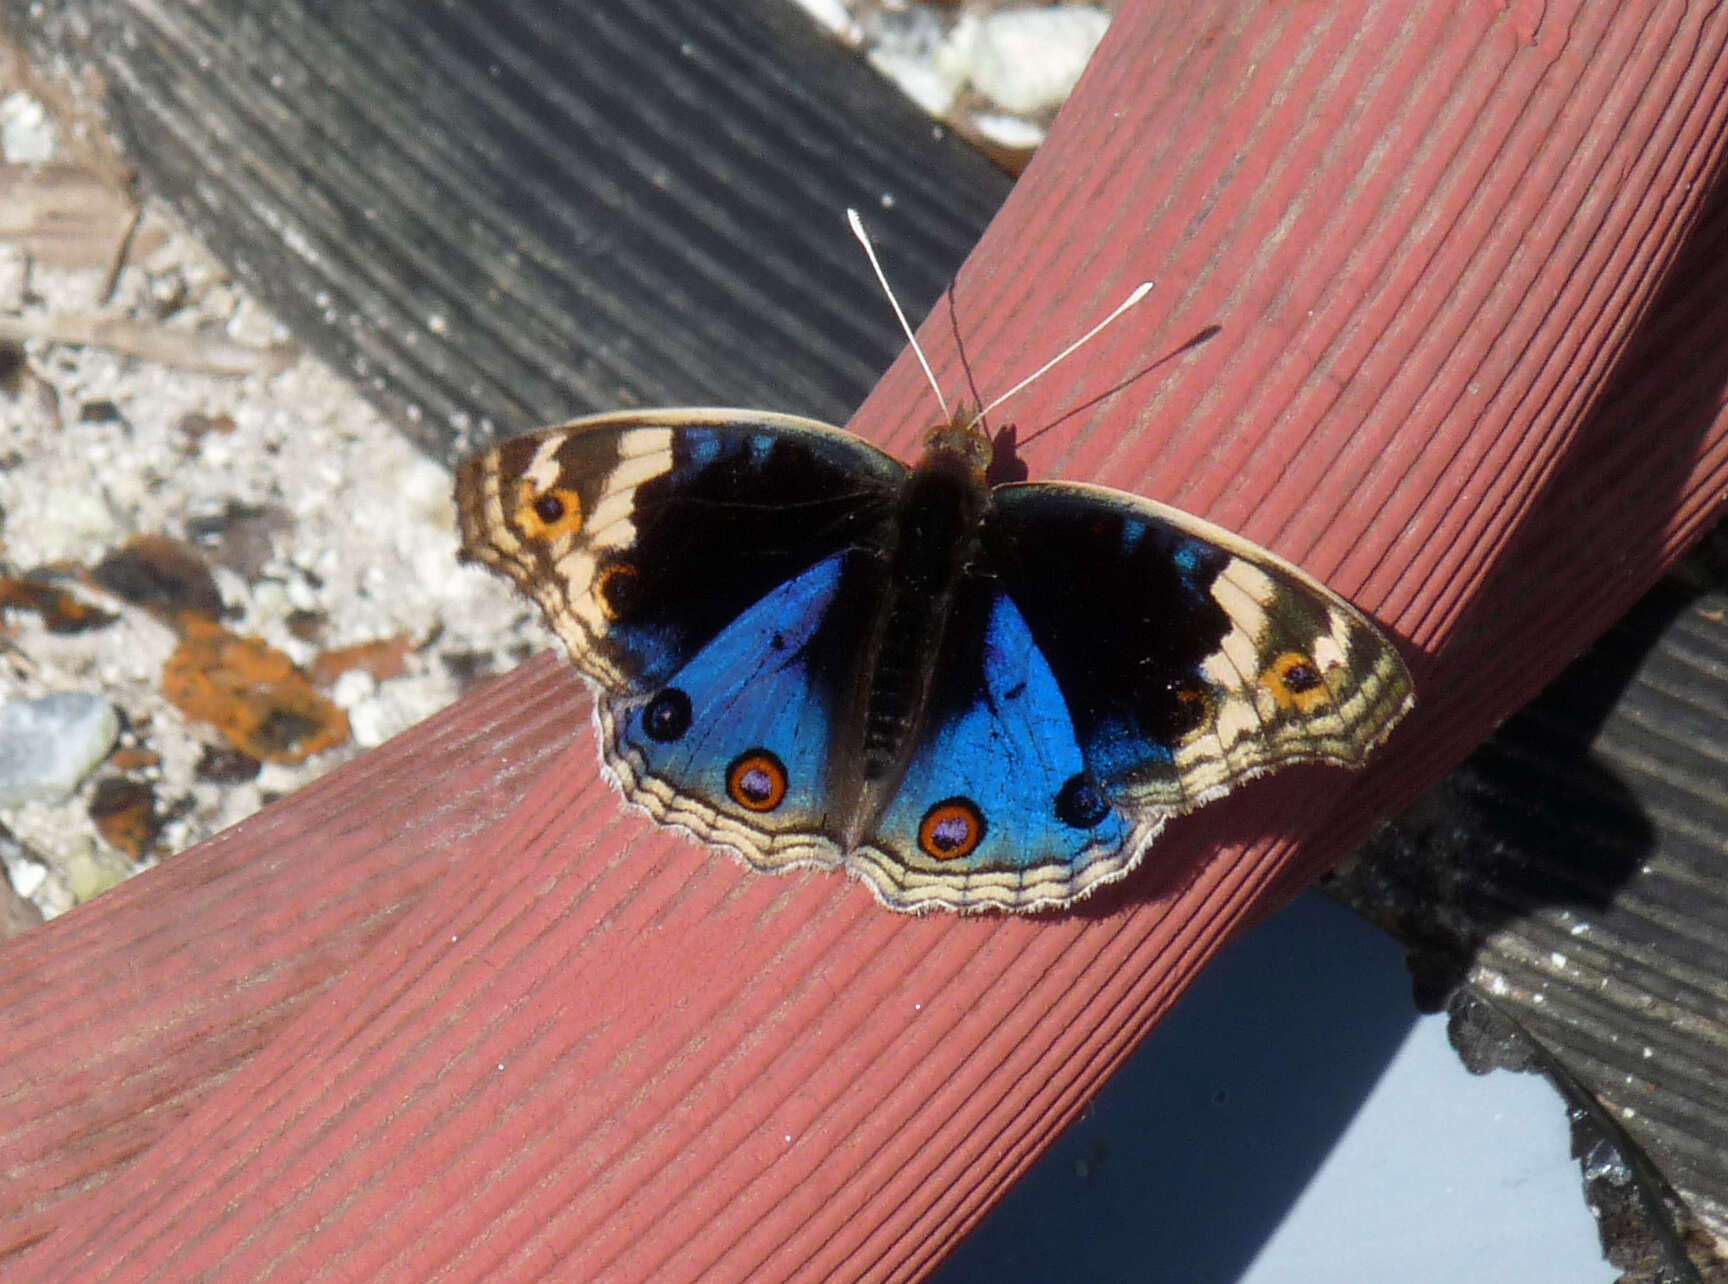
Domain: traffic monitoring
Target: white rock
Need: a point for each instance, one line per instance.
(269, 602)
(75, 523)
(48, 745)
(1027, 60)
(353, 687)
(26, 875)
(929, 84)
(1008, 131)
(26, 133)
(907, 49)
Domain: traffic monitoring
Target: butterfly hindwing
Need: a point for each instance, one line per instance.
(1189, 658)
(735, 747)
(996, 808)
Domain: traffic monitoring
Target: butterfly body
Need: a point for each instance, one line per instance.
(970, 695)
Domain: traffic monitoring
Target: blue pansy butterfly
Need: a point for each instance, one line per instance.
(972, 696)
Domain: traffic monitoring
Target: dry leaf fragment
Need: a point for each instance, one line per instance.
(384, 659)
(162, 575)
(60, 611)
(125, 815)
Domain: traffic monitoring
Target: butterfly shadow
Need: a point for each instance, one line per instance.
(1580, 812)
(1535, 819)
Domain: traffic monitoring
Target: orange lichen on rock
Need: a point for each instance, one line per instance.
(251, 693)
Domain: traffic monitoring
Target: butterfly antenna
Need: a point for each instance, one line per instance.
(870, 252)
(1140, 292)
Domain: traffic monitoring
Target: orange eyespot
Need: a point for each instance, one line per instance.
(548, 514)
(1296, 683)
(615, 589)
(756, 781)
(951, 830)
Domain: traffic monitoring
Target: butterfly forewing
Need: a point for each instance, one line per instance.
(641, 536)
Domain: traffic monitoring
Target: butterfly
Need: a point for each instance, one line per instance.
(971, 691)
(969, 695)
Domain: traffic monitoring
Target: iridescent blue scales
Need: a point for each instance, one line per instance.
(971, 697)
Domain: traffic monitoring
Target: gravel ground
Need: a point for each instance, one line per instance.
(321, 527)
(347, 536)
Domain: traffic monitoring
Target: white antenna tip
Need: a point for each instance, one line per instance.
(905, 325)
(1140, 292)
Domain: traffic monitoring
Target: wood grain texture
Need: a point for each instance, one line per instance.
(493, 217)
(1438, 241)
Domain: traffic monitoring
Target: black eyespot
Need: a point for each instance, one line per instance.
(549, 509)
(667, 716)
(1300, 676)
(1081, 803)
(951, 830)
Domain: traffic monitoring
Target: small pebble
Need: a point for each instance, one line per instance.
(227, 766)
(71, 521)
(306, 626)
(100, 411)
(161, 574)
(1006, 130)
(22, 873)
(25, 868)
(17, 913)
(88, 870)
(48, 745)
(13, 365)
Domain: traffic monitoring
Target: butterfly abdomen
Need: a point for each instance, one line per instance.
(935, 536)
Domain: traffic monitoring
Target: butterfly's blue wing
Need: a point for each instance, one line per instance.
(995, 807)
(736, 745)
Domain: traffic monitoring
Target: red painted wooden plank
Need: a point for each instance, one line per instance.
(558, 1041)
(122, 1016)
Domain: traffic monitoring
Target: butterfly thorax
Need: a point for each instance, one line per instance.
(935, 537)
